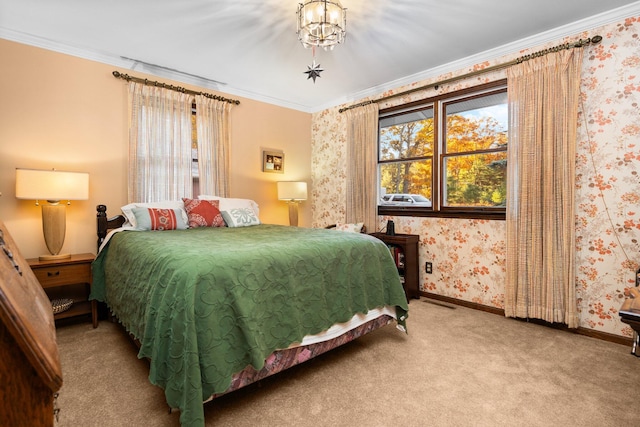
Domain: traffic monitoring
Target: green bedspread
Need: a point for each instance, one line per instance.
(207, 302)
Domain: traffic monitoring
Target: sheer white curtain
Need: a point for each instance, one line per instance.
(543, 113)
(213, 129)
(159, 144)
(362, 158)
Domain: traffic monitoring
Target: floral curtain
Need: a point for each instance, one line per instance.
(213, 130)
(159, 144)
(543, 113)
(362, 141)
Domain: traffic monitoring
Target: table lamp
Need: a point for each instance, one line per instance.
(293, 193)
(52, 186)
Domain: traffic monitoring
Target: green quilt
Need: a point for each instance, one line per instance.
(207, 302)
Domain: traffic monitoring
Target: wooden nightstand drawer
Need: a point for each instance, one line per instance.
(68, 278)
(63, 274)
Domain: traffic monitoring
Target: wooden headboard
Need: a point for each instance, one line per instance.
(105, 224)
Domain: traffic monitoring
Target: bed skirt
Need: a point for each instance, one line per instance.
(281, 360)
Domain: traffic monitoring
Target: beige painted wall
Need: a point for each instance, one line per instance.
(59, 111)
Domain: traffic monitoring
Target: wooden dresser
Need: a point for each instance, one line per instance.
(30, 371)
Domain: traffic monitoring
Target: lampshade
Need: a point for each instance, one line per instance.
(291, 190)
(51, 185)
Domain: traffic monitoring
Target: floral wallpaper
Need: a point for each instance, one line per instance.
(468, 255)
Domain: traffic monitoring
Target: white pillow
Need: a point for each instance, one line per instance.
(127, 210)
(352, 228)
(228, 203)
(240, 217)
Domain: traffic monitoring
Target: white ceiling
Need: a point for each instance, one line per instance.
(250, 47)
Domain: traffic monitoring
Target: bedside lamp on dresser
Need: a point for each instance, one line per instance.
(66, 278)
(293, 193)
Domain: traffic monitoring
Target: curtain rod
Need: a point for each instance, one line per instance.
(579, 43)
(127, 77)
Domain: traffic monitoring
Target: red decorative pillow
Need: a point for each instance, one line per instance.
(163, 219)
(203, 213)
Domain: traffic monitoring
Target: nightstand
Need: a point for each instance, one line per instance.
(404, 249)
(68, 278)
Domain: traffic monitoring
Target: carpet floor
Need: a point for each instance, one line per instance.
(455, 367)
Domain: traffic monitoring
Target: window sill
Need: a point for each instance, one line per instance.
(449, 213)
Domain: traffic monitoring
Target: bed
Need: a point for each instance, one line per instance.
(215, 308)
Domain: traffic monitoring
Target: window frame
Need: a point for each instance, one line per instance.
(195, 167)
(438, 158)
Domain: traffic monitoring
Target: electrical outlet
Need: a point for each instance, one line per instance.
(428, 267)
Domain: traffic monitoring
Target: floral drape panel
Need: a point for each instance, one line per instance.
(543, 113)
(159, 144)
(362, 143)
(213, 130)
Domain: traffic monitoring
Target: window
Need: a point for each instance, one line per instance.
(445, 156)
(195, 171)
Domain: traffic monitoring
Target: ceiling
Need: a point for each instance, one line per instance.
(249, 48)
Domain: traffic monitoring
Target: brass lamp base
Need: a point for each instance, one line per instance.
(293, 213)
(53, 257)
(54, 224)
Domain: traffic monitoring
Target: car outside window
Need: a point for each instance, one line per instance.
(405, 200)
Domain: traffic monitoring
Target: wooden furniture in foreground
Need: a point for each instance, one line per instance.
(404, 248)
(30, 371)
(68, 278)
(633, 320)
(630, 313)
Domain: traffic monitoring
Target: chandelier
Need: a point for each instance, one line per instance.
(321, 23)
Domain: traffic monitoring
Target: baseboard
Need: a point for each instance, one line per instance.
(468, 304)
(605, 336)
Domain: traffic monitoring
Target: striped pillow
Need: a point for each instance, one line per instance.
(159, 219)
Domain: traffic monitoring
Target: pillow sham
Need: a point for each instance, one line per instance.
(228, 203)
(159, 219)
(203, 213)
(351, 228)
(240, 217)
(127, 210)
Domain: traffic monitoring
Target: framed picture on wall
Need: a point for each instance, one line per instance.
(272, 161)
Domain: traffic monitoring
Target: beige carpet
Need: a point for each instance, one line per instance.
(456, 367)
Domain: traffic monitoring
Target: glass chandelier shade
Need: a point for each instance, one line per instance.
(321, 23)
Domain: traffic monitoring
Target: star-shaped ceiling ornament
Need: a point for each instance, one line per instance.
(313, 71)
